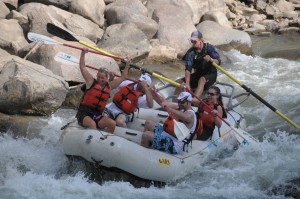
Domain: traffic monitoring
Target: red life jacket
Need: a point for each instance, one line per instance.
(126, 98)
(169, 126)
(204, 113)
(96, 97)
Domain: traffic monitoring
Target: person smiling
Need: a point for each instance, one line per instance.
(200, 58)
(96, 95)
(210, 111)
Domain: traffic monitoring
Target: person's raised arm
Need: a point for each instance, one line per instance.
(183, 116)
(148, 93)
(116, 82)
(187, 79)
(85, 73)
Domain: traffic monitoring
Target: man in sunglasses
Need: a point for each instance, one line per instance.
(200, 58)
(161, 137)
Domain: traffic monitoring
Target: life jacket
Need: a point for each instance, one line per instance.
(169, 127)
(96, 97)
(126, 98)
(199, 64)
(207, 119)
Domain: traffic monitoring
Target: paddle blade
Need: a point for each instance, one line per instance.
(244, 137)
(59, 32)
(180, 130)
(41, 39)
(66, 58)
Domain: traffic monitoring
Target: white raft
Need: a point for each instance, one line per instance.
(122, 149)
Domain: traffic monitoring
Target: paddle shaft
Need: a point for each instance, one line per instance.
(73, 59)
(160, 101)
(256, 96)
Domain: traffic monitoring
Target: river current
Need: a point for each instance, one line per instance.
(36, 167)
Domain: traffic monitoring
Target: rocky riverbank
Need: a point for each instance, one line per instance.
(32, 82)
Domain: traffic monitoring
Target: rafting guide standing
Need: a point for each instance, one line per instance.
(199, 58)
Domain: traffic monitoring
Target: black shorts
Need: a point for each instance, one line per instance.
(210, 80)
(85, 111)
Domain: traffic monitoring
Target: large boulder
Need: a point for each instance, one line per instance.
(11, 36)
(127, 11)
(28, 88)
(39, 15)
(11, 4)
(4, 11)
(125, 40)
(90, 9)
(229, 39)
(201, 7)
(174, 30)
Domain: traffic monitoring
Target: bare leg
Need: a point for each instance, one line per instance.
(108, 123)
(88, 122)
(149, 125)
(147, 138)
(120, 120)
(200, 86)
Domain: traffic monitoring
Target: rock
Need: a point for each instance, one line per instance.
(11, 36)
(28, 88)
(90, 9)
(4, 11)
(174, 30)
(132, 42)
(60, 4)
(201, 7)
(229, 39)
(218, 17)
(129, 11)
(22, 20)
(160, 53)
(11, 4)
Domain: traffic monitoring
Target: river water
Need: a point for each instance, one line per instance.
(35, 166)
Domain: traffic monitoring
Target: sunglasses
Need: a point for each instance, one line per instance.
(193, 41)
(211, 94)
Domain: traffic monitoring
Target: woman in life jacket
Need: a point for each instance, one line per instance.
(95, 97)
(130, 96)
(208, 115)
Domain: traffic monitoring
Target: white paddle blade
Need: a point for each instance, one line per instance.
(244, 137)
(66, 58)
(180, 130)
(42, 39)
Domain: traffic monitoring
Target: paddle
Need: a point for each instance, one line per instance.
(59, 32)
(180, 129)
(35, 37)
(72, 60)
(255, 95)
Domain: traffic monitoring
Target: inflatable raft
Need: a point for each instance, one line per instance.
(122, 149)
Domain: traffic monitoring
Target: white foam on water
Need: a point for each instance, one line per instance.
(36, 167)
